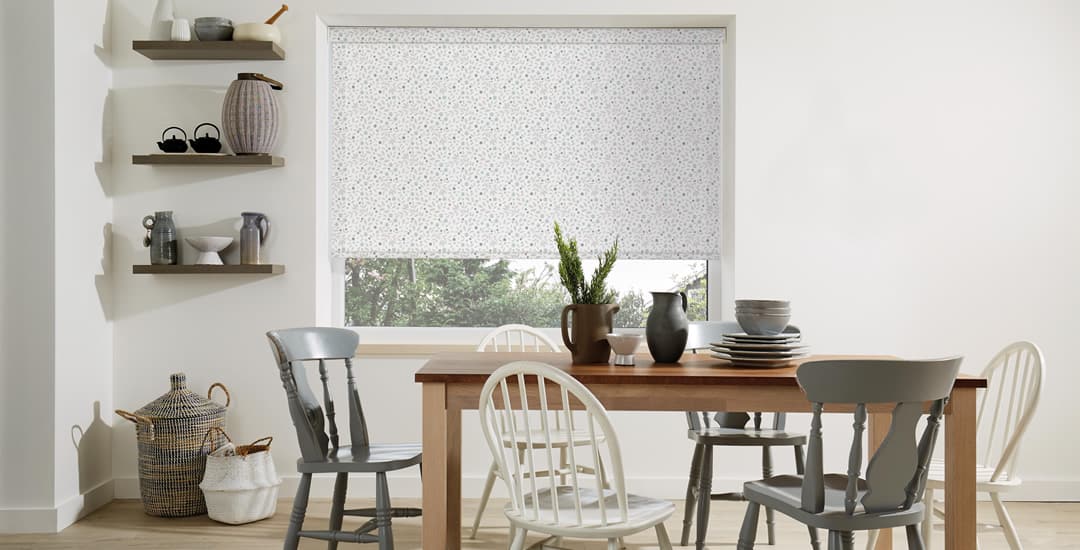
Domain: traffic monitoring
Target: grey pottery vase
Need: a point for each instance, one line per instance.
(249, 114)
(667, 328)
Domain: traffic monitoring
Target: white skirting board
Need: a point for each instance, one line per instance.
(54, 520)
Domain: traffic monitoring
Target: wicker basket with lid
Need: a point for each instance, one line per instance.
(172, 456)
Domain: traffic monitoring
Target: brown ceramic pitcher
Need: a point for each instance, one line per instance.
(589, 325)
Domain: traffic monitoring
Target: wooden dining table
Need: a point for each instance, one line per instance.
(452, 383)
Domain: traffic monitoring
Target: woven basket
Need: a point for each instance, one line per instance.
(172, 457)
(240, 484)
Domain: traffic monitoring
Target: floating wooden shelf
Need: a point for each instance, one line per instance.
(209, 50)
(235, 269)
(187, 159)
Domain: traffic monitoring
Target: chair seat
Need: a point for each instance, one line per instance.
(642, 512)
(936, 478)
(371, 458)
(578, 438)
(784, 493)
(734, 437)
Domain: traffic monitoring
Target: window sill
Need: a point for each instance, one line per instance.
(364, 351)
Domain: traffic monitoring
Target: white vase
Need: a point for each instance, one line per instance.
(181, 31)
(161, 22)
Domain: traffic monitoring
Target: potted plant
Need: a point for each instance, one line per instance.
(593, 309)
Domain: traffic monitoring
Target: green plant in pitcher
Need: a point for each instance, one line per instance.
(582, 290)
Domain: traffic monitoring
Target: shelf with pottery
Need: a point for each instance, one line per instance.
(207, 159)
(209, 50)
(198, 269)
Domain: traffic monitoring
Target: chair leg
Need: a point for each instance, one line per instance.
(296, 519)
(488, 485)
(748, 532)
(914, 541)
(814, 543)
(704, 494)
(519, 538)
(847, 540)
(928, 518)
(691, 495)
(383, 512)
(766, 473)
(799, 463)
(613, 544)
(1006, 522)
(871, 539)
(662, 538)
(337, 506)
(834, 540)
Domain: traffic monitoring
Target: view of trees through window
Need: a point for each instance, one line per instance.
(489, 293)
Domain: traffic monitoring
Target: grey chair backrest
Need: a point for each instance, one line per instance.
(896, 474)
(292, 348)
(736, 420)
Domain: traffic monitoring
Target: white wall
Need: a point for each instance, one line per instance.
(26, 298)
(903, 172)
(57, 337)
(83, 287)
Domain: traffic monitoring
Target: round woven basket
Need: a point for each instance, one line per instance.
(172, 457)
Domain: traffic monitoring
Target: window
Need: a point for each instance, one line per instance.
(455, 143)
(488, 293)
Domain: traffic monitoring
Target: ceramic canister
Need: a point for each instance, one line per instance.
(249, 115)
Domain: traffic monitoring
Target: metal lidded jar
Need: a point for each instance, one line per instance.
(173, 442)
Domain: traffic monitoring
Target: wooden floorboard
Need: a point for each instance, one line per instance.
(121, 525)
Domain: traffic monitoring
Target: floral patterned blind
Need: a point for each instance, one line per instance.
(473, 142)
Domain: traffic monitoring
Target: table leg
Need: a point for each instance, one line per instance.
(960, 527)
(879, 428)
(435, 467)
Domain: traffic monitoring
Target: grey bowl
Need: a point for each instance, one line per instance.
(763, 303)
(213, 28)
(768, 324)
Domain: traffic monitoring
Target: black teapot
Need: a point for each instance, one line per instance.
(206, 144)
(173, 144)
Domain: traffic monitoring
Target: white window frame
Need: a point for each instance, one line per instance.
(330, 272)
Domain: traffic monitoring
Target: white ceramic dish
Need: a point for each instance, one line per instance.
(784, 336)
(785, 346)
(209, 248)
(624, 345)
(760, 354)
(768, 363)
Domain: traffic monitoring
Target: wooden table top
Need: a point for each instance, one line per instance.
(694, 369)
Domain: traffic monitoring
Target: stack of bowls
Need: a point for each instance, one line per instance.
(763, 317)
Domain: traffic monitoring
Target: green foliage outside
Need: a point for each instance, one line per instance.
(479, 293)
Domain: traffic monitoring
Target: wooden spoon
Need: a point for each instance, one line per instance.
(273, 18)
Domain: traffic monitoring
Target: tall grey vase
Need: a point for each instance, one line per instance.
(667, 328)
(249, 115)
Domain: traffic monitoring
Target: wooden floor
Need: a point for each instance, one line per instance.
(122, 525)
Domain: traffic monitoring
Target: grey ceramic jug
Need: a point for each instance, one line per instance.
(667, 328)
(253, 234)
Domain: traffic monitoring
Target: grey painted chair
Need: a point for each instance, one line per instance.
(891, 493)
(730, 431)
(321, 452)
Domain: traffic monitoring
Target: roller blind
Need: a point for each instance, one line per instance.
(472, 142)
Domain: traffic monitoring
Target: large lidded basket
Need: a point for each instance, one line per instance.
(172, 455)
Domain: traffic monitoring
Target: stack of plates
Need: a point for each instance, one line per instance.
(758, 350)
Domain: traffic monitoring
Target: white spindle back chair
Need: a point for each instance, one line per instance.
(1014, 385)
(585, 508)
(516, 338)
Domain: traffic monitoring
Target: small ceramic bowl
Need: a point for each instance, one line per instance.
(762, 303)
(213, 29)
(208, 248)
(256, 32)
(624, 345)
(763, 323)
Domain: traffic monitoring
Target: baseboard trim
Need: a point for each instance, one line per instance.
(54, 520)
(407, 485)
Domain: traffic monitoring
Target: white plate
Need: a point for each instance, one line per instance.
(755, 360)
(767, 337)
(756, 363)
(761, 354)
(786, 341)
(781, 346)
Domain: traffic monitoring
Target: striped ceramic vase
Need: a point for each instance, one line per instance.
(249, 116)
